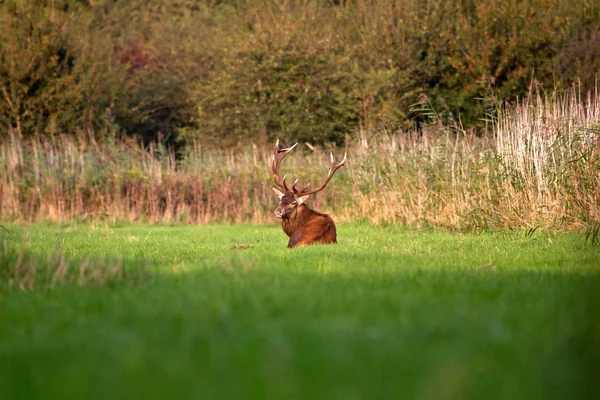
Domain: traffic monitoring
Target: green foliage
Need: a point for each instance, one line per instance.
(454, 52)
(386, 55)
(229, 312)
(285, 92)
(66, 67)
(307, 70)
(157, 64)
(37, 67)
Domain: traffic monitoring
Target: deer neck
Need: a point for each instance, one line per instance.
(298, 218)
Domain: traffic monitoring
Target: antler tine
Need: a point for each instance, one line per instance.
(279, 154)
(294, 186)
(332, 168)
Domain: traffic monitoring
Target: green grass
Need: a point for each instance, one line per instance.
(386, 313)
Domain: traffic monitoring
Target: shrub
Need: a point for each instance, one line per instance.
(309, 70)
(63, 71)
(40, 86)
(292, 93)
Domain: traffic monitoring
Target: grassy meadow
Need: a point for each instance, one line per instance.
(139, 253)
(227, 311)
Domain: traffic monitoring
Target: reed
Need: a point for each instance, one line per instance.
(537, 166)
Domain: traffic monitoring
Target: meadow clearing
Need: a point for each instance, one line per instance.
(227, 311)
(139, 252)
(467, 266)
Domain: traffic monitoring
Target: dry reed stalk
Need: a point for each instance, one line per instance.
(550, 150)
(539, 167)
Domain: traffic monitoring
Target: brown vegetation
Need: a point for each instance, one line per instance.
(539, 165)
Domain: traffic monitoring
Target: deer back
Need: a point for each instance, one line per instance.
(307, 226)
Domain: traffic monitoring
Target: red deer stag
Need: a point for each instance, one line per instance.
(303, 225)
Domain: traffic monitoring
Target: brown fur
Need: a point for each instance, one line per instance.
(305, 226)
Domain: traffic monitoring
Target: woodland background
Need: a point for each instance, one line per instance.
(297, 69)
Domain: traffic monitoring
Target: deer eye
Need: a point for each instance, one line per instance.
(294, 203)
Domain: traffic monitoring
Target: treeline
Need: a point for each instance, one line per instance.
(221, 71)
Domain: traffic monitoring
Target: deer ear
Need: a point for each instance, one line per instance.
(278, 192)
(302, 199)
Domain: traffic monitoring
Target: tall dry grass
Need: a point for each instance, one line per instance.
(550, 153)
(62, 178)
(539, 166)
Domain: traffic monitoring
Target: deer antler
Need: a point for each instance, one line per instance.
(332, 168)
(280, 153)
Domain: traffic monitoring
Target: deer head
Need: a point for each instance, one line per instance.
(291, 199)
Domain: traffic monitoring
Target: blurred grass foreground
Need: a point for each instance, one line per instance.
(133, 311)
